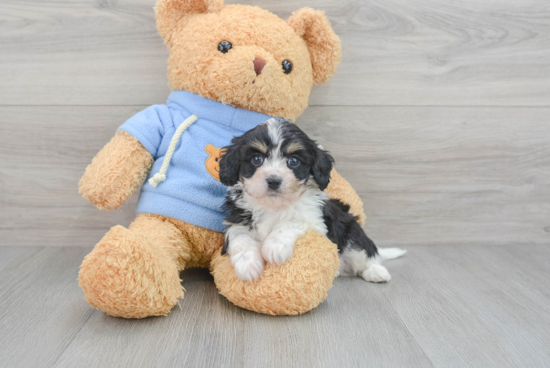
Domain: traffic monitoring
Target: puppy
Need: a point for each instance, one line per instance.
(276, 176)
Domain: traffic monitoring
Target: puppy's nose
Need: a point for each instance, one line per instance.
(259, 65)
(273, 182)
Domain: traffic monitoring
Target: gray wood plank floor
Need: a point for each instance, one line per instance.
(446, 306)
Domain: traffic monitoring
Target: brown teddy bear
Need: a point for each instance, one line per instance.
(230, 68)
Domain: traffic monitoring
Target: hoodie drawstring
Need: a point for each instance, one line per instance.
(161, 175)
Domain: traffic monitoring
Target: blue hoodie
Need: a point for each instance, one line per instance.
(190, 193)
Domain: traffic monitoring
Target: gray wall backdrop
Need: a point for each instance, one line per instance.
(439, 114)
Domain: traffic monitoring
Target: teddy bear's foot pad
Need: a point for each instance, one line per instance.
(126, 275)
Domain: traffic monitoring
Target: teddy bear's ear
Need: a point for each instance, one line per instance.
(323, 44)
(173, 13)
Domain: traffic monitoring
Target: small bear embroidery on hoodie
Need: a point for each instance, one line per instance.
(212, 163)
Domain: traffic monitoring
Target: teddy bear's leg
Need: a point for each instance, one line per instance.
(295, 287)
(134, 272)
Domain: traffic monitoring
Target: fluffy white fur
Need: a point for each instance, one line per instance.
(356, 263)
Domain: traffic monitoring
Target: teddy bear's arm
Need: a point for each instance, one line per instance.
(116, 171)
(339, 188)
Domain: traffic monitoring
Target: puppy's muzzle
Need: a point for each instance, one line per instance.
(273, 182)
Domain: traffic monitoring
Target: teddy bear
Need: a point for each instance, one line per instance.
(230, 68)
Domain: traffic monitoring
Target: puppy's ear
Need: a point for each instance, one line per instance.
(322, 167)
(230, 165)
(322, 43)
(172, 14)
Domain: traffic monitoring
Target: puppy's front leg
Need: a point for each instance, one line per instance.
(244, 253)
(279, 245)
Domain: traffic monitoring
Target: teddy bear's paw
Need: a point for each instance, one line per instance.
(278, 249)
(294, 288)
(116, 172)
(376, 273)
(127, 276)
(248, 264)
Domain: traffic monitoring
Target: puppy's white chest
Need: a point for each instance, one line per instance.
(304, 215)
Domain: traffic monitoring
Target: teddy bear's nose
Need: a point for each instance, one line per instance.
(258, 65)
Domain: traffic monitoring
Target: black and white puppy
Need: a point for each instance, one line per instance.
(276, 176)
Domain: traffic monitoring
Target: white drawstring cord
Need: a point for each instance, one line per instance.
(161, 175)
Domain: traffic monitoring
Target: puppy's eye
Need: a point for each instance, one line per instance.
(287, 66)
(225, 46)
(293, 161)
(257, 160)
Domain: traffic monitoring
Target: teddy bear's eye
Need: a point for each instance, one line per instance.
(287, 66)
(225, 46)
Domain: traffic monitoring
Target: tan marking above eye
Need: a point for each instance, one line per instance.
(260, 146)
(293, 147)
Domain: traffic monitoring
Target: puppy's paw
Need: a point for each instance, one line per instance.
(376, 273)
(277, 250)
(248, 265)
